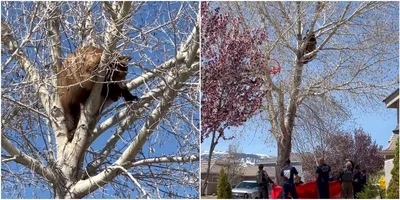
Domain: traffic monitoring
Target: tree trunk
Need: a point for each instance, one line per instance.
(212, 146)
(60, 192)
(284, 149)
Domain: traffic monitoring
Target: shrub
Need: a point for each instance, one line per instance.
(224, 188)
(371, 190)
(393, 189)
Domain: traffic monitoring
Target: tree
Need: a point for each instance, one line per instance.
(357, 146)
(224, 188)
(393, 189)
(234, 168)
(353, 58)
(232, 66)
(145, 149)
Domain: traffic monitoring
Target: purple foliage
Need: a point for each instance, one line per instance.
(357, 146)
(232, 69)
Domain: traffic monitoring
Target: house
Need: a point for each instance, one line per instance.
(392, 101)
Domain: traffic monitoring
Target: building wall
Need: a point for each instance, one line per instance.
(388, 169)
(211, 177)
(211, 188)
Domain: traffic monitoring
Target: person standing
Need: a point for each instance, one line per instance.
(363, 179)
(262, 181)
(357, 181)
(323, 179)
(346, 178)
(287, 173)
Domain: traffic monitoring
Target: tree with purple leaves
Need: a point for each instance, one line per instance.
(233, 67)
(350, 67)
(356, 146)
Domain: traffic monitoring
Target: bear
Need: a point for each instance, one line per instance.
(77, 77)
(311, 46)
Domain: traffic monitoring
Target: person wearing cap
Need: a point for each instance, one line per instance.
(346, 178)
(287, 173)
(323, 179)
(262, 181)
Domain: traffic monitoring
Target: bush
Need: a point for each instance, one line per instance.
(382, 187)
(224, 188)
(371, 190)
(393, 189)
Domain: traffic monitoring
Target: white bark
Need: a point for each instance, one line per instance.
(166, 86)
(345, 64)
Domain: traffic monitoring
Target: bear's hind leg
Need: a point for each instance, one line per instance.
(74, 115)
(127, 95)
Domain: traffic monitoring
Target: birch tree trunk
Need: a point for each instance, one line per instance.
(347, 69)
(116, 147)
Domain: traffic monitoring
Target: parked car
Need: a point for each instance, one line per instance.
(245, 190)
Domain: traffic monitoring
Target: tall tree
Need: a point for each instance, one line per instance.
(231, 75)
(144, 149)
(354, 59)
(234, 168)
(393, 188)
(224, 188)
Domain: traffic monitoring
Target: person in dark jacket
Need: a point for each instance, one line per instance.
(262, 181)
(357, 180)
(363, 179)
(287, 173)
(323, 179)
(346, 178)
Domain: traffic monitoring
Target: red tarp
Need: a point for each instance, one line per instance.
(309, 190)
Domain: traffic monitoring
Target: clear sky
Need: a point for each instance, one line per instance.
(253, 140)
(162, 141)
(376, 119)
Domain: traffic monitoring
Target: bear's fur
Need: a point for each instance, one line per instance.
(311, 46)
(76, 80)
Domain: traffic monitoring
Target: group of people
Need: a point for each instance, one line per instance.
(288, 173)
(351, 177)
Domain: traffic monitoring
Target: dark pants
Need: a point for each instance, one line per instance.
(357, 189)
(289, 188)
(263, 192)
(323, 190)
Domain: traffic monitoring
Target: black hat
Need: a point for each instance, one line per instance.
(287, 161)
(260, 166)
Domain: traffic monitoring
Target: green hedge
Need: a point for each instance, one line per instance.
(393, 189)
(224, 188)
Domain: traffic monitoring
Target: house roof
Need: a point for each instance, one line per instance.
(214, 169)
(389, 150)
(396, 130)
(392, 101)
(252, 171)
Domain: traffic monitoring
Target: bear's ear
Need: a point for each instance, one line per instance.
(124, 59)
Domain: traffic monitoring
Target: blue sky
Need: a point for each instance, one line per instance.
(162, 141)
(375, 118)
(378, 124)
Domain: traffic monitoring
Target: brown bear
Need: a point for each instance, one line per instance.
(311, 46)
(77, 78)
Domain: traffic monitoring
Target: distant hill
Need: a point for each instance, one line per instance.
(246, 158)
